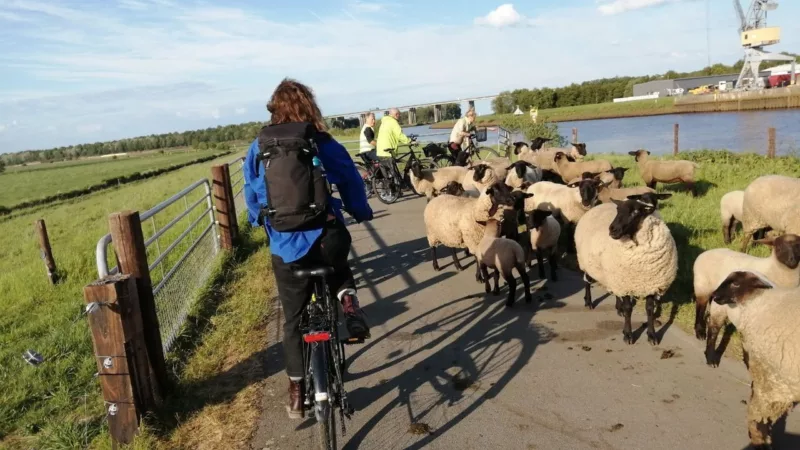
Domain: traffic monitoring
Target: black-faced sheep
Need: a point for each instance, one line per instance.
(782, 268)
(429, 182)
(544, 232)
(521, 172)
(630, 251)
(665, 171)
(770, 201)
(767, 317)
(612, 178)
(730, 211)
(572, 170)
(504, 255)
(452, 188)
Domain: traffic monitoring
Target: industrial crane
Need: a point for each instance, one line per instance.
(755, 35)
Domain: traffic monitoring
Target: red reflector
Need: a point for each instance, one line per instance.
(317, 337)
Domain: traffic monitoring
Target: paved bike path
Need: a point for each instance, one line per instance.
(449, 367)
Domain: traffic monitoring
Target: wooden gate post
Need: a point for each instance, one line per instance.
(574, 135)
(234, 222)
(47, 251)
(771, 142)
(675, 133)
(123, 367)
(128, 240)
(222, 205)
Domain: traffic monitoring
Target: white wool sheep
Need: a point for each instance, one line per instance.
(429, 182)
(522, 172)
(608, 195)
(770, 201)
(479, 177)
(631, 252)
(453, 221)
(782, 268)
(767, 317)
(730, 211)
(665, 171)
(571, 170)
(568, 203)
(504, 255)
(544, 232)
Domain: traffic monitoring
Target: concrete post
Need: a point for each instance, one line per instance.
(437, 113)
(412, 116)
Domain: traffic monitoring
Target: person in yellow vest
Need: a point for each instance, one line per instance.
(390, 136)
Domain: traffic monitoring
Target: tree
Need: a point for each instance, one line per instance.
(2, 166)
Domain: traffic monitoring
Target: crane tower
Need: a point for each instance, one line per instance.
(755, 35)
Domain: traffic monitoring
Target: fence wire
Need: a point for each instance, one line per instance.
(235, 168)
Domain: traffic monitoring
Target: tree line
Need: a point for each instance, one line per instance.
(603, 90)
(450, 111)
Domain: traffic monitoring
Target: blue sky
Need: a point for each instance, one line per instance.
(91, 70)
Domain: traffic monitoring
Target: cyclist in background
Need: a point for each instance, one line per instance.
(367, 141)
(461, 130)
(390, 136)
(328, 245)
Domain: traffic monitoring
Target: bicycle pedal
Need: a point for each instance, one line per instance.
(353, 341)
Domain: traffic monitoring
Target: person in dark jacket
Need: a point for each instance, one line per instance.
(329, 245)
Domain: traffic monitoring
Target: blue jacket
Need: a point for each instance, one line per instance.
(339, 169)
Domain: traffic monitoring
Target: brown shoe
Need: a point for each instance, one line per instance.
(295, 406)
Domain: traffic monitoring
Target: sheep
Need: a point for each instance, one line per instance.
(575, 151)
(782, 268)
(503, 255)
(453, 188)
(544, 232)
(665, 171)
(428, 182)
(613, 178)
(770, 201)
(730, 211)
(767, 318)
(453, 221)
(571, 170)
(569, 202)
(543, 159)
(514, 219)
(521, 172)
(631, 252)
(608, 195)
(480, 176)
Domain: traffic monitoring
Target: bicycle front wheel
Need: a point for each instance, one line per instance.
(486, 153)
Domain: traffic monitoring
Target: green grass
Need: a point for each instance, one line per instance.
(584, 112)
(59, 402)
(20, 184)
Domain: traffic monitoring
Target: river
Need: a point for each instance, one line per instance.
(736, 131)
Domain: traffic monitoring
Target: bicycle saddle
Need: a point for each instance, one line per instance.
(321, 271)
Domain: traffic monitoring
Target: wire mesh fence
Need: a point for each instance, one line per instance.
(235, 168)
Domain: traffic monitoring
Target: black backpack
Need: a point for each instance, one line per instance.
(297, 191)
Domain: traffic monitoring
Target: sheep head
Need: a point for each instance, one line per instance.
(416, 169)
(453, 188)
(618, 172)
(786, 249)
(639, 154)
(518, 146)
(519, 199)
(537, 218)
(580, 147)
(538, 142)
(589, 188)
(739, 287)
(560, 156)
(500, 196)
(520, 167)
(632, 212)
(479, 171)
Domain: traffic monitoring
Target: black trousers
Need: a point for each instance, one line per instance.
(331, 249)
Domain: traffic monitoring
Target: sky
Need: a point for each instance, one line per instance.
(93, 70)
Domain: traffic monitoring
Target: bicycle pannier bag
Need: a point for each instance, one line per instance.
(297, 192)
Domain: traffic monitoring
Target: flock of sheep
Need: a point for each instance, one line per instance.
(504, 212)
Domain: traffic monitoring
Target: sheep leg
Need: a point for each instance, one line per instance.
(650, 307)
(762, 413)
(587, 296)
(540, 264)
(485, 272)
(701, 306)
(435, 260)
(526, 282)
(726, 230)
(627, 310)
(512, 288)
(652, 184)
(496, 276)
(746, 241)
(619, 306)
(467, 253)
(478, 275)
(712, 359)
(553, 264)
(455, 261)
(692, 187)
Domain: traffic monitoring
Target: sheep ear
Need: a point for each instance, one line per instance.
(770, 241)
(633, 153)
(648, 151)
(527, 195)
(624, 169)
(663, 196)
(617, 202)
(574, 184)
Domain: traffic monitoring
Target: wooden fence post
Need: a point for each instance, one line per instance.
(123, 367)
(234, 222)
(47, 251)
(128, 240)
(222, 206)
(574, 135)
(771, 142)
(675, 133)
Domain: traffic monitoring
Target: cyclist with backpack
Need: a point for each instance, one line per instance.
(286, 191)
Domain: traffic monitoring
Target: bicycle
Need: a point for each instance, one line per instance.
(389, 190)
(324, 358)
(472, 150)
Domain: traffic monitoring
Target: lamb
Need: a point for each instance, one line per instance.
(665, 171)
(770, 201)
(544, 232)
(503, 255)
(453, 221)
(628, 249)
(782, 268)
(513, 219)
(767, 318)
(730, 211)
(428, 182)
(571, 170)
(521, 172)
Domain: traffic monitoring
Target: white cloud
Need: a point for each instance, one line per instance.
(2, 128)
(240, 111)
(135, 5)
(89, 128)
(504, 16)
(13, 123)
(621, 6)
(368, 7)
(11, 17)
(215, 113)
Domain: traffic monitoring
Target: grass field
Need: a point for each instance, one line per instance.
(57, 404)
(20, 184)
(584, 112)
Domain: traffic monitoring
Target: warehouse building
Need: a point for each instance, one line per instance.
(668, 87)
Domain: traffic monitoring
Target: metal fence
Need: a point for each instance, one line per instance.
(235, 168)
(182, 242)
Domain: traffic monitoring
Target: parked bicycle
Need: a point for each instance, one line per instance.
(324, 359)
(390, 189)
(472, 152)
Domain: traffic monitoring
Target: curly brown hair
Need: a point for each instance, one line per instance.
(293, 101)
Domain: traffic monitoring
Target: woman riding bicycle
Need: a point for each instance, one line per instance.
(461, 130)
(325, 246)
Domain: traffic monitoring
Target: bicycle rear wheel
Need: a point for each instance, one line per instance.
(486, 153)
(326, 429)
(443, 161)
